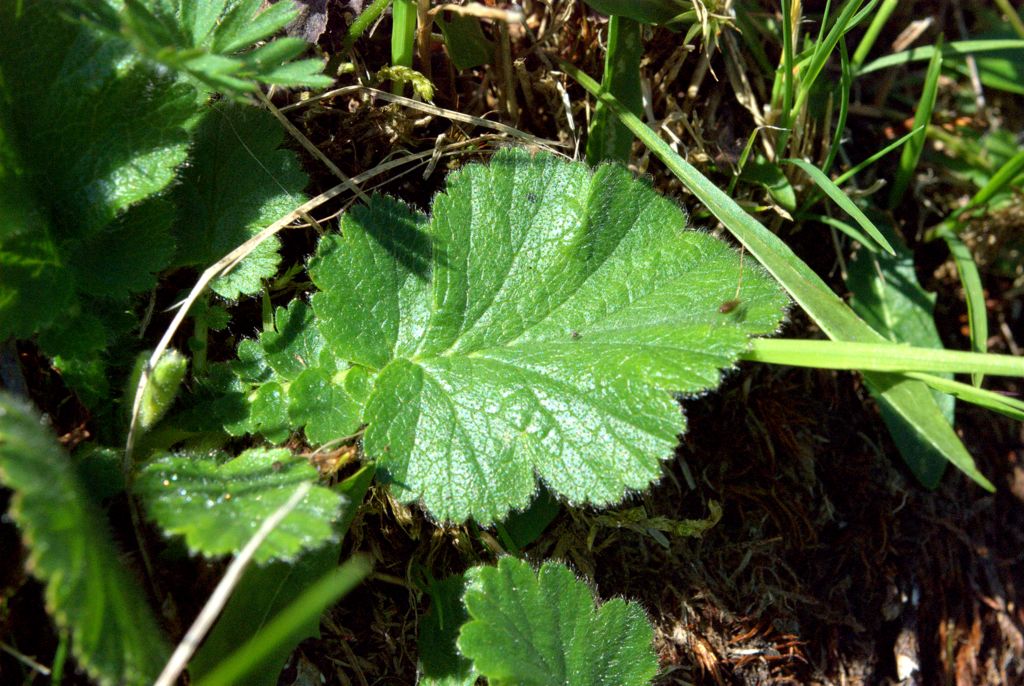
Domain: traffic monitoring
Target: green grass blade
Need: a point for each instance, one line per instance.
(871, 35)
(974, 294)
(910, 399)
(879, 357)
(999, 182)
(845, 81)
(1011, 16)
(312, 603)
(840, 198)
(990, 400)
(822, 51)
(860, 166)
(955, 48)
(848, 229)
(912, 151)
(788, 83)
(608, 139)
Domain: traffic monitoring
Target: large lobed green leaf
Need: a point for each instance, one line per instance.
(542, 629)
(537, 325)
(113, 633)
(218, 505)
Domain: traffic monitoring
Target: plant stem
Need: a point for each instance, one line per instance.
(403, 37)
(609, 139)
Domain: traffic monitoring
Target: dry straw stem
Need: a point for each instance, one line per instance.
(475, 9)
(219, 598)
(451, 115)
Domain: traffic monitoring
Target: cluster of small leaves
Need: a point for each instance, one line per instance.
(537, 324)
(212, 40)
(114, 634)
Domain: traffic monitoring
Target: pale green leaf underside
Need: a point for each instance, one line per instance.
(542, 629)
(114, 636)
(218, 507)
(537, 325)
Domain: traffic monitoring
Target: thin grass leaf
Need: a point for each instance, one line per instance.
(974, 294)
(990, 400)
(998, 182)
(403, 34)
(845, 81)
(910, 399)
(822, 50)
(954, 48)
(608, 139)
(874, 29)
(912, 152)
(848, 229)
(880, 357)
(860, 166)
(839, 197)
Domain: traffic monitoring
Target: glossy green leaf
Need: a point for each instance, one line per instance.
(114, 635)
(887, 295)
(218, 506)
(542, 628)
(239, 181)
(771, 176)
(538, 326)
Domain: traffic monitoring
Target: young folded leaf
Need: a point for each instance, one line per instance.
(537, 325)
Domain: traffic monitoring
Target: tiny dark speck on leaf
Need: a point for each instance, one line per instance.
(576, 335)
(532, 197)
(277, 466)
